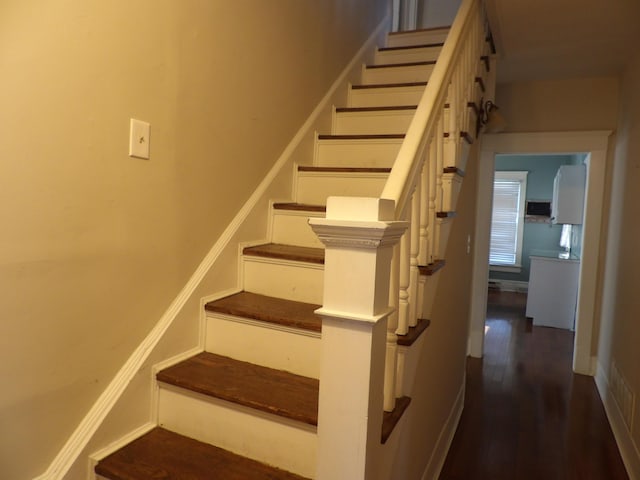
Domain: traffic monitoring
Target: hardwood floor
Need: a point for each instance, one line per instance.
(526, 415)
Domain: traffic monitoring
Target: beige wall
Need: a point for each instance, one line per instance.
(95, 244)
(577, 104)
(620, 334)
(559, 105)
(440, 371)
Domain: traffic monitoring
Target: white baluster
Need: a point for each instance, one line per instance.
(390, 367)
(414, 272)
(405, 278)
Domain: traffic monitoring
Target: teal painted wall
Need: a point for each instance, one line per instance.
(537, 236)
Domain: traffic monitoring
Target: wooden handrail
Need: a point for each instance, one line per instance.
(407, 167)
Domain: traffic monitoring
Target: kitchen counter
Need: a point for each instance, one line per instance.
(554, 254)
(553, 290)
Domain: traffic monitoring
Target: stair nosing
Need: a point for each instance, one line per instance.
(175, 376)
(307, 168)
(414, 333)
(300, 207)
(388, 85)
(376, 109)
(407, 64)
(410, 47)
(380, 136)
(391, 419)
(432, 268)
(420, 30)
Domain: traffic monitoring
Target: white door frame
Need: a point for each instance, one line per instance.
(594, 143)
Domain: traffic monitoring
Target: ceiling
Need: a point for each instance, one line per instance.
(551, 39)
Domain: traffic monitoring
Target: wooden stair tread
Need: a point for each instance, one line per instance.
(466, 136)
(391, 108)
(406, 64)
(455, 170)
(432, 268)
(287, 252)
(445, 214)
(265, 389)
(389, 85)
(391, 419)
(161, 454)
(414, 333)
(411, 47)
(304, 168)
(269, 309)
(379, 136)
(420, 30)
(301, 207)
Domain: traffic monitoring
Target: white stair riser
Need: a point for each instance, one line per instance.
(456, 153)
(314, 188)
(357, 153)
(381, 97)
(292, 228)
(299, 281)
(241, 430)
(451, 184)
(426, 54)
(362, 123)
(264, 344)
(407, 365)
(424, 37)
(414, 73)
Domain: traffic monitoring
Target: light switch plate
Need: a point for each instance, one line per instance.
(139, 138)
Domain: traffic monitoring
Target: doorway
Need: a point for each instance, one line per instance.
(594, 144)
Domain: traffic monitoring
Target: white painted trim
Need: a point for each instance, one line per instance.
(439, 455)
(169, 362)
(95, 457)
(628, 449)
(593, 142)
(79, 439)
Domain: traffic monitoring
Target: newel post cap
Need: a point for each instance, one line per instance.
(358, 234)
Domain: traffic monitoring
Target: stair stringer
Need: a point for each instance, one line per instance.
(122, 410)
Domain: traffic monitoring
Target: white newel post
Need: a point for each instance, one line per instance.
(358, 234)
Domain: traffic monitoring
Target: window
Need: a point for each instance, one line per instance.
(507, 221)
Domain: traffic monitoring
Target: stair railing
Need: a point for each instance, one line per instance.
(436, 138)
(373, 248)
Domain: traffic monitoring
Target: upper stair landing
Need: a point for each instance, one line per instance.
(424, 36)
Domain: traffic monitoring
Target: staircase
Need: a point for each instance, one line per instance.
(247, 407)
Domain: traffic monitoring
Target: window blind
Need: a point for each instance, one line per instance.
(507, 218)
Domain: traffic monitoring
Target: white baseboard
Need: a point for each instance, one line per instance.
(439, 455)
(80, 438)
(626, 445)
(509, 285)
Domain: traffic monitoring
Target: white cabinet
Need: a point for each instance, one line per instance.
(553, 292)
(568, 194)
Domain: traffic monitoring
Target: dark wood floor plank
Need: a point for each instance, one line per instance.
(265, 389)
(269, 309)
(527, 416)
(161, 454)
